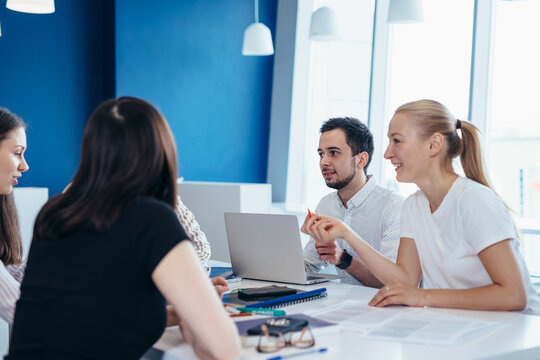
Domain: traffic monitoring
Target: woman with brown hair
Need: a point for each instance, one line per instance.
(12, 165)
(456, 234)
(108, 251)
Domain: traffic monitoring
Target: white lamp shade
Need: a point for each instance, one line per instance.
(324, 25)
(257, 40)
(31, 6)
(405, 11)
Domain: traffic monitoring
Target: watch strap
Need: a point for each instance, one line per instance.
(346, 260)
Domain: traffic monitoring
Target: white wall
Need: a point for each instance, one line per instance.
(208, 201)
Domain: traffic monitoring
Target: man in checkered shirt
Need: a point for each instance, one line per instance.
(373, 212)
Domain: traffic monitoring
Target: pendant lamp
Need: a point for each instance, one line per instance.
(324, 25)
(405, 11)
(31, 6)
(257, 38)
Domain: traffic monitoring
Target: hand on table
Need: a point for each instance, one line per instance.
(398, 293)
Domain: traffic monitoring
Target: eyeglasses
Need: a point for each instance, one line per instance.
(272, 341)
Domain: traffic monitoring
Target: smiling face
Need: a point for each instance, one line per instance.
(12, 162)
(338, 166)
(407, 152)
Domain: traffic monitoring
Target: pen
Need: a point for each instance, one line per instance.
(240, 315)
(260, 311)
(307, 352)
(310, 214)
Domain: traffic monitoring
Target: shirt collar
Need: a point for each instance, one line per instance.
(363, 193)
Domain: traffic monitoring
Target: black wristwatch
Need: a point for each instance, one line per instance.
(346, 260)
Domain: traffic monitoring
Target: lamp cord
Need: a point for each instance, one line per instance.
(257, 11)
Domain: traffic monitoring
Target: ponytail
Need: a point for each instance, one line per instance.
(471, 156)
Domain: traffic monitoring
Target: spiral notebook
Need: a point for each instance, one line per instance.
(299, 297)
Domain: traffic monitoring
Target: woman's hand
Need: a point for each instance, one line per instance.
(324, 228)
(398, 293)
(220, 285)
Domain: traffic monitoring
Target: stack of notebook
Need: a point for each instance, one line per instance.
(272, 297)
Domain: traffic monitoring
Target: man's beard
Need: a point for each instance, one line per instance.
(341, 184)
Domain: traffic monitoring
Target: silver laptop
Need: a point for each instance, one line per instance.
(268, 247)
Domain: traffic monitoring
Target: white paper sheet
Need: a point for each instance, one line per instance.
(406, 324)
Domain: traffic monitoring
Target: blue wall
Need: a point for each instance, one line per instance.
(185, 57)
(54, 70)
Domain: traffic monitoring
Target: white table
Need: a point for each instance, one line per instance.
(519, 339)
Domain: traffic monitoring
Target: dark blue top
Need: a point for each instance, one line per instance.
(90, 295)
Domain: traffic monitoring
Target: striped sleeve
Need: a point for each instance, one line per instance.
(9, 293)
(192, 228)
(17, 271)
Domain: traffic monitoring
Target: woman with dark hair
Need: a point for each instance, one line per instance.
(12, 165)
(457, 235)
(109, 250)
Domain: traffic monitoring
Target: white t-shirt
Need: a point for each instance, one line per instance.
(470, 218)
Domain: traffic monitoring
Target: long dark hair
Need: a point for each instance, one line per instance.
(10, 233)
(128, 151)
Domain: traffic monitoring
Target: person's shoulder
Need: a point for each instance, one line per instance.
(329, 204)
(391, 198)
(414, 199)
(327, 200)
(150, 206)
(470, 189)
(472, 193)
(387, 194)
(179, 202)
(328, 197)
(150, 213)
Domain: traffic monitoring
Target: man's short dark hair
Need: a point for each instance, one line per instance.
(357, 135)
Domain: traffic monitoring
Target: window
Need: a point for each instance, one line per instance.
(339, 83)
(513, 126)
(480, 58)
(429, 60)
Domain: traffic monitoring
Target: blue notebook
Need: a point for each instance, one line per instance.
(219, 270)
(287, 300)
